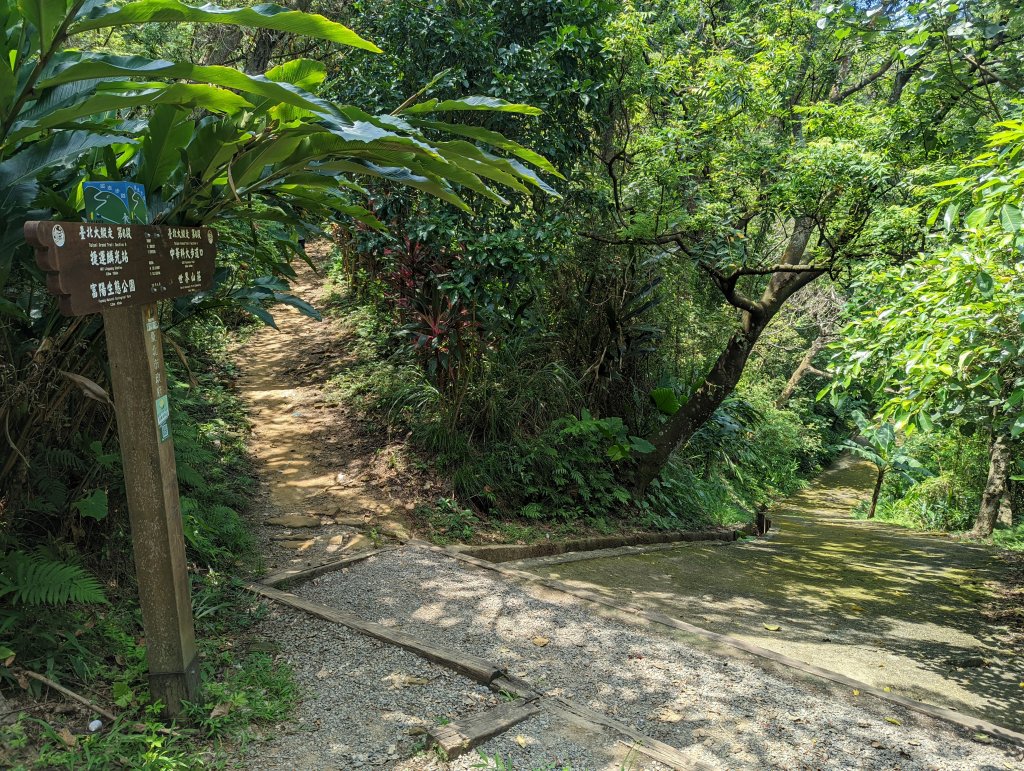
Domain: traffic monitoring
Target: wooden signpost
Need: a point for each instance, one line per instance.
(122, 271)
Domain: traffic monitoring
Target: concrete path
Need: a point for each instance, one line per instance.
(884, 605)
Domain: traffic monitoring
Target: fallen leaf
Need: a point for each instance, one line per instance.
(521, 740)
(322, 674)
(894, 720)
(221, 709)
(856, 608)
(69, 739)
(856, 692)
(540, 642)
(887, 689)
(772, 627)
(666, 715)
(878, 745)
(983, 738)
(401, 681)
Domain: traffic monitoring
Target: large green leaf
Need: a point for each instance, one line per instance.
(20, 174)
(92, 66)
(460, 176)
(492, 138)
(307, 74)
(473, 159)
(160, 150)
(191, 95)
(666, 400)
(249, 166)
(487, 103)
(402, 175)
(46, 16)
(265, 16)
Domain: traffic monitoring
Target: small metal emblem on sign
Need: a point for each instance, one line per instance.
(58, 235)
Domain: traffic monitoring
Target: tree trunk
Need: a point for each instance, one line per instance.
(876, 492)
(995, 487)
(728, 368)
(806, 366)
(1005, 518)
(718, 384)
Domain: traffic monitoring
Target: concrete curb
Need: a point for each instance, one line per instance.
(510, 552)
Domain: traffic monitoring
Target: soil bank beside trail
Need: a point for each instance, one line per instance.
(881, 604)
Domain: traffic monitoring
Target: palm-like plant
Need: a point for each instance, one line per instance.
(883, 450)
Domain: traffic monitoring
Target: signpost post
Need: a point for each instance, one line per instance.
(122, 271)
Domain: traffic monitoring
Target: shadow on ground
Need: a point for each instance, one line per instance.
(881, 604)
(727, 712)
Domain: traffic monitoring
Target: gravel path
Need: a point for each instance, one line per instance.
(723, 712)
(363, 703)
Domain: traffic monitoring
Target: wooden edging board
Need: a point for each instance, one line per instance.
(461, 736)
(652, 748)
(471, 666)
(487, 674)
(304, 574)
(734, 644)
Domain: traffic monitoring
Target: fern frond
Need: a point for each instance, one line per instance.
(34, 579)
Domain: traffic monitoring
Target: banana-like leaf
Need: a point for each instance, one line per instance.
(487, 103)
(213, 143)
(265, 16)
(248, 168)
(456, 173)
(308, 197)
(475, 160)
(83, 66)
(428, 183)
(160, 151)
(20, 174)
(492, 138)
(307, 74)
(328, 181)
(46, 16)
(188, 95)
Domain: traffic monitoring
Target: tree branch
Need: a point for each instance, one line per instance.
(867, 81)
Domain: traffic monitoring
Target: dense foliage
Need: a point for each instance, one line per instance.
(606, 260)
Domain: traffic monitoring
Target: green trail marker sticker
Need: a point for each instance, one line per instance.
(118, 203)
(163, 415)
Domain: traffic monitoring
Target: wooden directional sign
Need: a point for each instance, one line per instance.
(92, 267)
(122, 271)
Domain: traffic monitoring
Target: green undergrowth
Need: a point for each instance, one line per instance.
(244, 691)
(946, 495)
(98, 649)
(528, 462)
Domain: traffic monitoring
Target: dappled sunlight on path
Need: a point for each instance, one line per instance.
(886, 606)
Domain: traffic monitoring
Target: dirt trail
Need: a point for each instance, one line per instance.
(881, 604)
(328, 489)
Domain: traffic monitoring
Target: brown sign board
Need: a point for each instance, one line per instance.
(93, 267)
